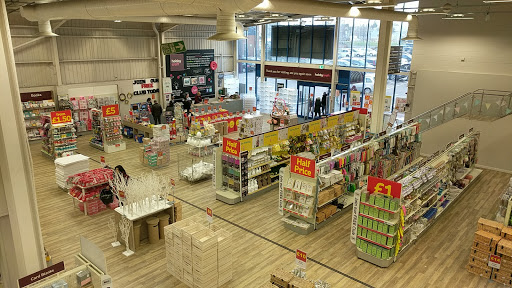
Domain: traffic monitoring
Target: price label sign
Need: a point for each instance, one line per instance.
(173, 183)
(383, 186)
(209, 215)
(61, 117)
(300, 259)
(110, 110)
(102, 159)
(494, 261)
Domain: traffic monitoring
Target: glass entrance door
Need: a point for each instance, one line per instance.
(304, 103)
(308, 93)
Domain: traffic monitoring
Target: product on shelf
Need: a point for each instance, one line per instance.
(504, 212)
(97, 129)
(199, 256)
(107, 129)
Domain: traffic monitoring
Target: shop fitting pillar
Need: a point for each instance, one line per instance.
(381, 75)
(21, 244)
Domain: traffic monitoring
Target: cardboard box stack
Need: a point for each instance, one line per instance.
(284, 279)
(325, 212)
(197, 255)
(492, 239)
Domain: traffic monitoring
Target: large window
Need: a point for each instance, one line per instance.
(250, 48)
(400, 31)
(247, 78)
(306, 40)
(358, 41)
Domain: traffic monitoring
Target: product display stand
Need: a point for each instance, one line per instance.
(198, 164)
(32, 112)
(59, 140)
(387, 224)
(68, 166)
(86, 188)
(97, 129)
(250, 166)
(156, 152)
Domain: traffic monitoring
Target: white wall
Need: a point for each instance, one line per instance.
(487, 50)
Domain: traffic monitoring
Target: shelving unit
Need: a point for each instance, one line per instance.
(36, 105)
(425, 195)
(97, 129)
(59, 140)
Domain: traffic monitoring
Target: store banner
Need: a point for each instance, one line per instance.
(110, 110)
(194, 73)
(177, 62)
(355, 98)
(298, 73)
(383, 186)
(246, 144)
(145, 86)
(271, 138)
(61, 117)
(231, 146)
(302, 166)
(36, 96)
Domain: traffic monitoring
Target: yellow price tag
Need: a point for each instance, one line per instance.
(246, 144)
(314, 126)
(294, 131)
(349, 117)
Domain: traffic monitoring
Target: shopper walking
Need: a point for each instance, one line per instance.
(310, 107)
(156, 111)
(318, 107)
(187, 104)
(324, 103)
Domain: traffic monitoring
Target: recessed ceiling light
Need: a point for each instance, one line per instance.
(275, 15)
(453, 17)
(428, 10)
(188, 15)
(240, 16)
(118, 21)
(458, 15)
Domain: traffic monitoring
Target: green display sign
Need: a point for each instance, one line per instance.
(173, 48)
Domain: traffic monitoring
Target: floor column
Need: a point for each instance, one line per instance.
(21, 245)
(381, 74)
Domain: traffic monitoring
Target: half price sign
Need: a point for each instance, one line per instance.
(61, 117)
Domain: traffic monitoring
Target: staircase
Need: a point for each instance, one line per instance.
(480, 105)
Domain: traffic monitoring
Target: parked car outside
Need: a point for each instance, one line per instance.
(369, 83)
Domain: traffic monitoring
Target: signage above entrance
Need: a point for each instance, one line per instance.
(297, 73)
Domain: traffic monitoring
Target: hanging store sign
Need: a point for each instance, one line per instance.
(297, 73)
(302, 166)
(110, 110)
(36, 96)
(61, 117)
(145, 86)
(173, 47)
(40, 275)
(231, 146)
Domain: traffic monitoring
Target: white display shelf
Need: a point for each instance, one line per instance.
(137, 213)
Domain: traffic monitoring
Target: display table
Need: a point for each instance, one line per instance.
(139, 129)
(163, 206)
(232, 105)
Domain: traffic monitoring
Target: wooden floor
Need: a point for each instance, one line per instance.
(260, 240)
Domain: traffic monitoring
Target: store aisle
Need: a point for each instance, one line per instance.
(260, 240)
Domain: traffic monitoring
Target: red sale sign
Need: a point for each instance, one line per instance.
(61, 117)
(110, 110)
(231, 146)
(209, 215)
(383, 186)
(494, 261)
(302, 166)
(300, 259)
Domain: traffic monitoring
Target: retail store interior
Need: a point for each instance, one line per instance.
(255, 143)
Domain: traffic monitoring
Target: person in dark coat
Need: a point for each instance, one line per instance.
(324, 103)
(170, 106)
(156, 111)
(198, 99)
(318, 107)
(187, 104)
(148, 101)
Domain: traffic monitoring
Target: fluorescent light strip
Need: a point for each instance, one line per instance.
(458, 18)
(497, 1)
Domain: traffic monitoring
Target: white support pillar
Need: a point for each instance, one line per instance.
(21, 244)
(381, 73)
(334, 79)
(263, 51)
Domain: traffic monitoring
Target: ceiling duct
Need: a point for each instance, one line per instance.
(45, 29)
(226, 27)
